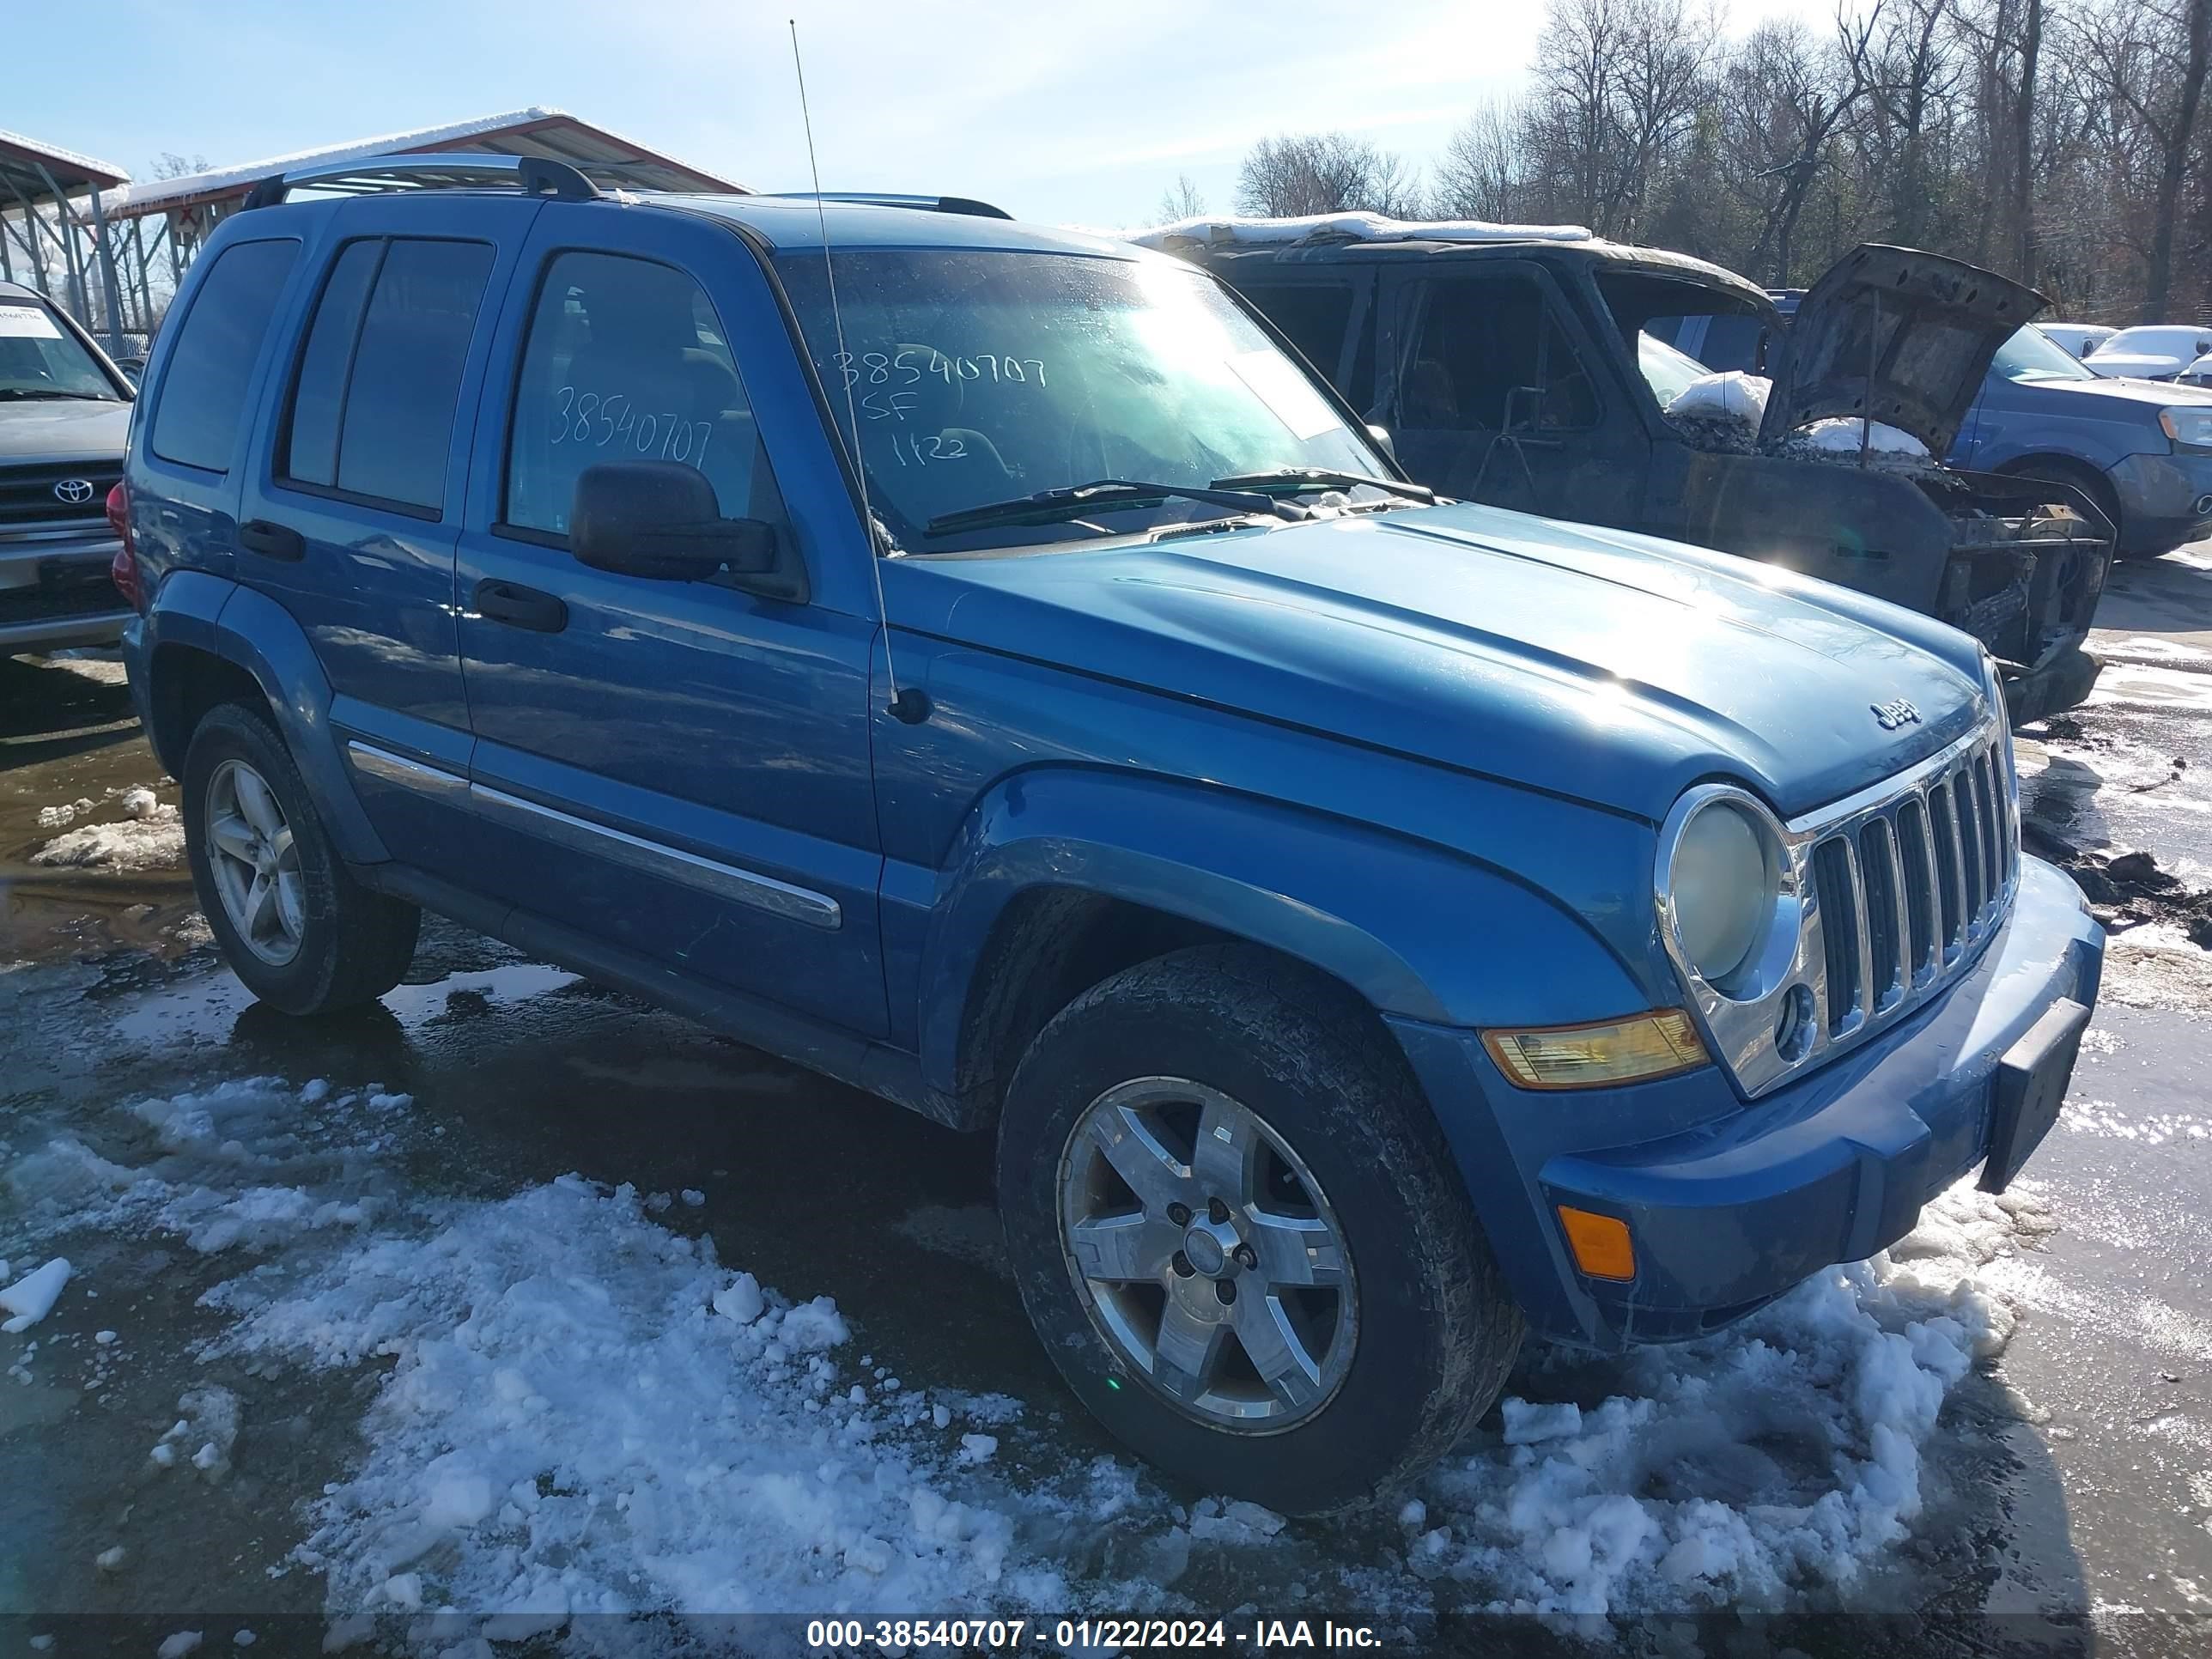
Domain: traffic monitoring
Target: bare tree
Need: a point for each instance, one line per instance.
(2178, 135)
(1304, 173)
(1785, 96)
(1618, 85)
(1181, 200)
(1484, 171)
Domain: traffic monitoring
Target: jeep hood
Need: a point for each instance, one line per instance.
(1608, 667)
(1898, 335)
(62, 429)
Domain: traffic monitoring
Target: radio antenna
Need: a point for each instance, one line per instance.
(912, 707)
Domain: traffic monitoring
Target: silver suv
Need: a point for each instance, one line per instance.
(65, 418)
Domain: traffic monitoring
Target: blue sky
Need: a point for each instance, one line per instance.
(1060, 113)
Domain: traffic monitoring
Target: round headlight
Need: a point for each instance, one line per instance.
(1724, 889)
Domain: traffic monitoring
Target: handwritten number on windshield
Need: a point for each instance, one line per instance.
(909, 365)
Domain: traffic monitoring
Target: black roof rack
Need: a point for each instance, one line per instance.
(967, 204)
(534, 175)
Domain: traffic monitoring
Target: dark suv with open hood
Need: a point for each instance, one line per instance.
(1526, 367)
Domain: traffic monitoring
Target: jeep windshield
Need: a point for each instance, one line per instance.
(981, 377)
(40, 359)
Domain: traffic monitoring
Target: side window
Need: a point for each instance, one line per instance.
(1313, 315)
(380, 375)
(310, 450)
(203, 394)
(1484, 342)
(626, 360)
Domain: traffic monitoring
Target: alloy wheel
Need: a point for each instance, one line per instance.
(1207, 1255)
(255, 861)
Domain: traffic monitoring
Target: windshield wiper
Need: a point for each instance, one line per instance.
(1295, 479)
(1103, 494)
(39, 393)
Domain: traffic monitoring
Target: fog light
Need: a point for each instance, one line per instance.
(1632, 1050)
(1600, 1242)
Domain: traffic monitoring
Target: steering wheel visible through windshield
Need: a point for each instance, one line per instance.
(981, 375)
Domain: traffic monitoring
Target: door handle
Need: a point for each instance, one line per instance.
(521, 607)
(272, 541)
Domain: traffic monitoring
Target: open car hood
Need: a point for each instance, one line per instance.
(1898, 334)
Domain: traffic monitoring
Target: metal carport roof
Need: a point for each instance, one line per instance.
(603, 157)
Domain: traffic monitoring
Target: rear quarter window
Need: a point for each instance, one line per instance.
(201, 402)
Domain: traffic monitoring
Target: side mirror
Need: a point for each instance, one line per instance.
(1383, 441)
(660, 518)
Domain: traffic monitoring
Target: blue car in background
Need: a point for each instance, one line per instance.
(1006, 680)
(2140, 450)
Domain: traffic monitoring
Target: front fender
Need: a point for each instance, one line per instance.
(209, 614)
(1418, 931)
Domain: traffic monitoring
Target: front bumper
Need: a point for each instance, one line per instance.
(54, 588)
(1729, 1205)
(2163, 501)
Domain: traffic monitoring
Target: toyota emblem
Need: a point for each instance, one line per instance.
(76, 491)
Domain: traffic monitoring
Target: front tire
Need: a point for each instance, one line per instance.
(1241, 1237)
(302, 934)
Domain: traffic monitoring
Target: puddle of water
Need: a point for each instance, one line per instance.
(206, 1009)
(2143, 684)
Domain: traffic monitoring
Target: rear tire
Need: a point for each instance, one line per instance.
(1353, 1172)
(302, 934)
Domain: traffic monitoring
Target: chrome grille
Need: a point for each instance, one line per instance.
(1897, 909)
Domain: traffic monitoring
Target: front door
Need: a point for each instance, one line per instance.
(677, 768)
(1498, 396)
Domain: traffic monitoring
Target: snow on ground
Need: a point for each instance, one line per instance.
(582, 1408)
(1779, 1458)
(31, 1298)
(150, 836)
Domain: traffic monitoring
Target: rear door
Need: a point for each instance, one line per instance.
(350, 517)
(677, 768)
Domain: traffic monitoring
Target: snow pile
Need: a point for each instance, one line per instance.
(59, 817)
(1734, 396)
(1842, 434)
(252, 1163)
(31, 1298)
(582, 1410)
(587, 1414)
(1746, 1468)
(151, 836)
(1211, 230)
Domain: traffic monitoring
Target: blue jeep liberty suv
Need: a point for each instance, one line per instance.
(1371, 927)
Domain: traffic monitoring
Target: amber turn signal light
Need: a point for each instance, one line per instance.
(1632, 1050)
(1600, 1242)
